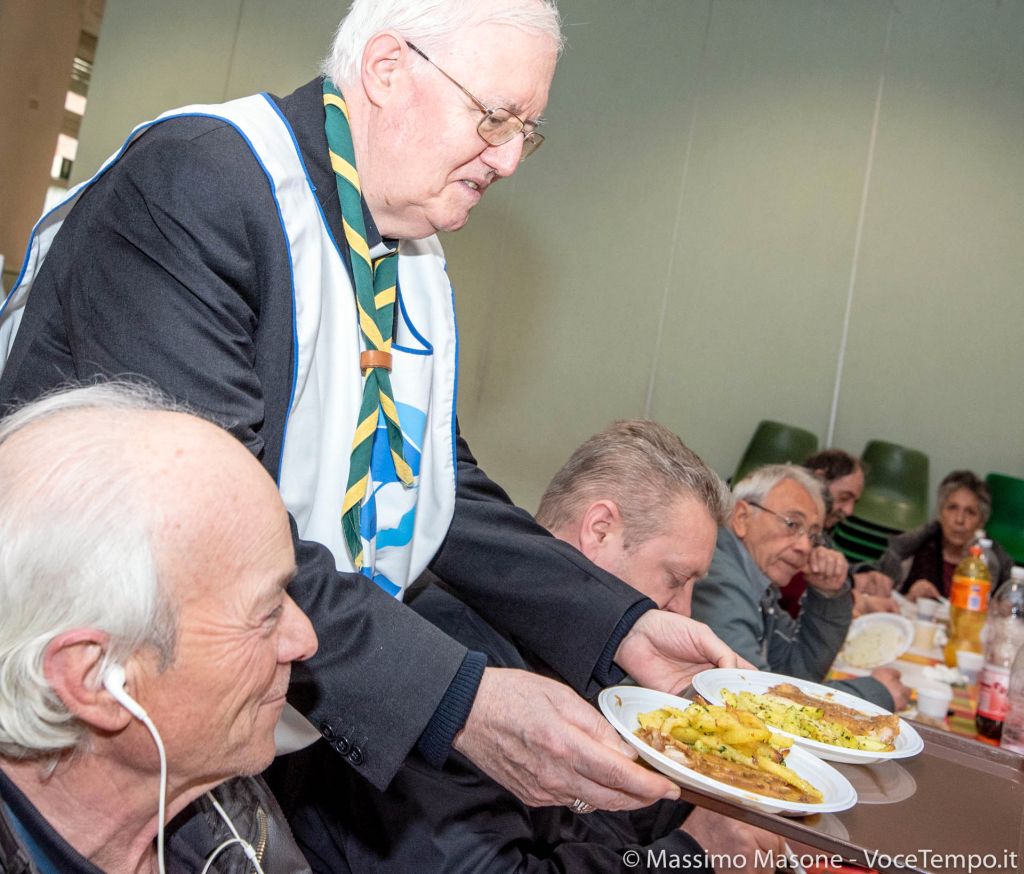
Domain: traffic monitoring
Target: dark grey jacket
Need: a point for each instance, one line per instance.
(742, 607)
(191, 836)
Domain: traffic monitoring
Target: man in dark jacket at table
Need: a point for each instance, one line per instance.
(273, 262)
(842, 479)
(637, 502)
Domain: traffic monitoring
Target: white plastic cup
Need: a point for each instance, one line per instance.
(970, 665)
(933, 700)
(927, 608)
(924, 634)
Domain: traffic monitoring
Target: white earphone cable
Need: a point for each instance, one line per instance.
(114, 681)
(162, 805)
(218, 851)
(247, 848)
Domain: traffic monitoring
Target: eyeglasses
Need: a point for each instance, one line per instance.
(498, 126)
(795, 529)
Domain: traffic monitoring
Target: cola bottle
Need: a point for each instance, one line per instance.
(1003, 639)
(1013, 725)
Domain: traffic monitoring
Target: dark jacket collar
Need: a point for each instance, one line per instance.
(304, 110)
(14, 855)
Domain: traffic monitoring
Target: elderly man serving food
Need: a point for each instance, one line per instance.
(273, 261)
(146, 640)
(775, 530)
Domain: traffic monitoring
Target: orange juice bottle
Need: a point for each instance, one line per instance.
(968, 603)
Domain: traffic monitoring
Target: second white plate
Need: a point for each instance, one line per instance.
(710, 684)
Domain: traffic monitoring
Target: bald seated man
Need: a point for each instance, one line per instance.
(775, 532)
(638, 503)
(146, 558)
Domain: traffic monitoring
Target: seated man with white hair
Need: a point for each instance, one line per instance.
(774, 532)
(146, 641)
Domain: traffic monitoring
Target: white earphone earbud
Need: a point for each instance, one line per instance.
(113, 682)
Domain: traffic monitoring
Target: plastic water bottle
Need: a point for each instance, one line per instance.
(1004, 635)
(1013, 724)
(988, 555)
(1008, 600)
(968, 603)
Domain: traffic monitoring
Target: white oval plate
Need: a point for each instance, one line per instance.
(622, 704)
(902, 636)
(710, 684)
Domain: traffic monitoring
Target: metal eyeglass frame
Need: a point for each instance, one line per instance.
(532, 140)
(795, 529)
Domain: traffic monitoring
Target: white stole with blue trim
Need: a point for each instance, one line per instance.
(403, 528)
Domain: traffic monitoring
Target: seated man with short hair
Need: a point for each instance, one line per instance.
(636, 502)
(144, 560)
(775, 530)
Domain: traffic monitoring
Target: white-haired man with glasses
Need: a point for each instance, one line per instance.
(273, 262)
(774, 532)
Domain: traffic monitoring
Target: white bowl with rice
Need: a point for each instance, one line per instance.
(875, 640)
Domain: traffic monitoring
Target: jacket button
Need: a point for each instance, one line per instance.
(327, 731)
(343, 745)
(355, 756)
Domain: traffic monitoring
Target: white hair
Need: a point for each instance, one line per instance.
(756, 485)
(427, 23)
(75, 552)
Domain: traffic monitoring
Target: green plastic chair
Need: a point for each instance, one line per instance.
(775, 443)
(855, 557)
(849, 542)
(872, 533)
(895, 488)
(1006, 524)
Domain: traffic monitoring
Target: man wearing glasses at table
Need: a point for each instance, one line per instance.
(273, 263)
(774, 532)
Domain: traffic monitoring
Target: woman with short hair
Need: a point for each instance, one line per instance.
(922, 561)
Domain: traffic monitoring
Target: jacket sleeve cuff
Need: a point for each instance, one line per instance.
(606, 672)
(435, 743)
(840, 600)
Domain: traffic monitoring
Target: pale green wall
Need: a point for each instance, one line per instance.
(563, 272)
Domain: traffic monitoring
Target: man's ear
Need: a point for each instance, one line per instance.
(71, 665)
(385, 58)
(600, 528)
(740, 520)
